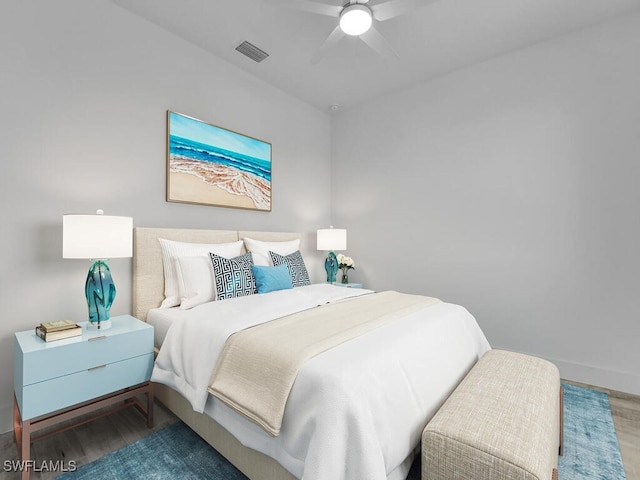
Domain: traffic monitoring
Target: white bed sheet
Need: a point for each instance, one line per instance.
(355, 411)
(161, 319)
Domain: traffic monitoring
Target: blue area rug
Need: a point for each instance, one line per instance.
(591, 450)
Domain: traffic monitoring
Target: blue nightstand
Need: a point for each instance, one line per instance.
(60, 380)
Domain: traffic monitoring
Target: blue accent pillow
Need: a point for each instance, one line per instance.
(296, 266)
(269, 279)
(233, 276)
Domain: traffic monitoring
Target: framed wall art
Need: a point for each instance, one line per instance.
(210, 165)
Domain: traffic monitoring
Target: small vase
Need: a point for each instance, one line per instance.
(345, 277)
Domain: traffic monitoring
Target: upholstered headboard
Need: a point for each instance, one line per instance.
(148, 274)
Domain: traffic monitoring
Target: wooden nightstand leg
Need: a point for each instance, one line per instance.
(17, 430)
(150, 406)
(22, 436)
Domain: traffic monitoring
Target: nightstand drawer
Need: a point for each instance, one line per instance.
(39, 361)
(57, 393)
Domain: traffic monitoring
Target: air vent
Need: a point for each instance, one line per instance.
(251, 51)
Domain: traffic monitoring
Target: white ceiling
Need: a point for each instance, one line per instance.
(434, 39)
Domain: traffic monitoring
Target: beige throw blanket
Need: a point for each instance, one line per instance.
(258, 366)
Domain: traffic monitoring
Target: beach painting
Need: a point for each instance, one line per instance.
(209, 165)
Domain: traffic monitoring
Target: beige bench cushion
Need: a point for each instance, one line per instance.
(501, 423)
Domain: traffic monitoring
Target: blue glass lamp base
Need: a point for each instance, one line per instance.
(331, 267)
(100, 292)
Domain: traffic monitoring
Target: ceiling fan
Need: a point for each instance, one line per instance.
(356, 18)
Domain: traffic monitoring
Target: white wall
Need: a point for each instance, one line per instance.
(512, 188)
(85, 86)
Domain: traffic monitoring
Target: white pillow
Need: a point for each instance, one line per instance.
(195, 281)
(260, 250)
(171, 250)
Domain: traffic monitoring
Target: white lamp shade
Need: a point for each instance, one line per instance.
(97, 236)
(332, 239)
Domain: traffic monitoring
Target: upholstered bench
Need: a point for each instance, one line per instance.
(503, 422)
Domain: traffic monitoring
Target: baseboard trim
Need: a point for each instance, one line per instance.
(625, 382)
(610, 379)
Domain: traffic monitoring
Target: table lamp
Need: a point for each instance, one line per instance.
(330, 239)
(98, 237)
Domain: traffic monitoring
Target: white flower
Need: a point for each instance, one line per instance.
(345, 262)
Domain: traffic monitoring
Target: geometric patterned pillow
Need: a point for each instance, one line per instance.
(296, 266)
(233, 276)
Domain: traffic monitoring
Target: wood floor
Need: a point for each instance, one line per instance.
(626, 418)
(87, 442)
(93, 440)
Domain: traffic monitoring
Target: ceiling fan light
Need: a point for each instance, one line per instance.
(355, 19)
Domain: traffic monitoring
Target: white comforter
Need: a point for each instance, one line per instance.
(355, 411)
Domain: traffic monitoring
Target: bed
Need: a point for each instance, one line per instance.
(355, 410)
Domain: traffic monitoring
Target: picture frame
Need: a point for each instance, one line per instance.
(211, 165)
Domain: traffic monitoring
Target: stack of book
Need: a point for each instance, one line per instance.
(49, 331)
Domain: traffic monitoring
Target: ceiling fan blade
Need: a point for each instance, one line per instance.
(394, 8)
(329, 43)
(375, 40)
(308, 6)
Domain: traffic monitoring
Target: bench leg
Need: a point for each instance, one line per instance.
(561, 445)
